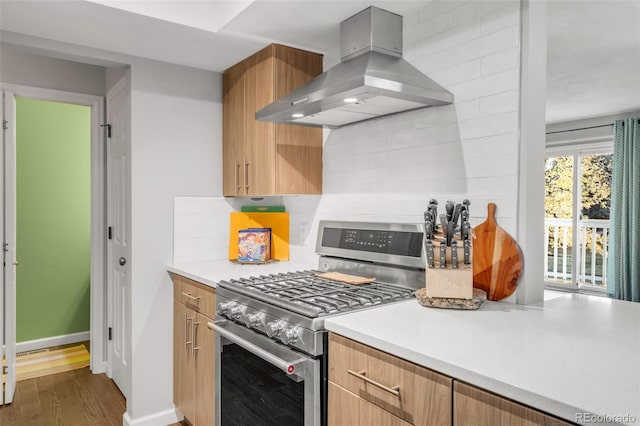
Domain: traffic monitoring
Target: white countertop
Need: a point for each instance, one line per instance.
(574, 354)
(211, 272)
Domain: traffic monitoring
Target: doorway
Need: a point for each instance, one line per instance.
(60, 235)
(53, 177)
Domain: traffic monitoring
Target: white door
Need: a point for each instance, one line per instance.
(8, 296)
(119, 244)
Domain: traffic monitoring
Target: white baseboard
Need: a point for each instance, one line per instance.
(47, 342)
(162, 418)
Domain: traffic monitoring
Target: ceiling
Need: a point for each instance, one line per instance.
(155, 29)
(593, 46)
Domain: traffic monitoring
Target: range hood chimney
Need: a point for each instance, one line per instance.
(371, 80)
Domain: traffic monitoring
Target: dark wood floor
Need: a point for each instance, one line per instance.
(72, 398)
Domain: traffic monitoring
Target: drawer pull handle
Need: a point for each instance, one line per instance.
(190, 296)
(361, 375)
(186, 331)
(194, 345)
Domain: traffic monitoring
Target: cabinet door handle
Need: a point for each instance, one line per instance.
(194, 348)
(237, 174)
(246, 176)
(186, 331)
(192, 297)
(361, 375)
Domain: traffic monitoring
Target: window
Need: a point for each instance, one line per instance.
(577, 205)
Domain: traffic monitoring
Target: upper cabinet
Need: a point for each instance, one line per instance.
(261, 158)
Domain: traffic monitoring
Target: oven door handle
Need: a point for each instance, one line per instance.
(289, 367)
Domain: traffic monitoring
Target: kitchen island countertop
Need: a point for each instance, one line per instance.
(211, 272)
(572, 354)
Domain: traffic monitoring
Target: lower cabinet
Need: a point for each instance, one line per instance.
(474, 406)
(380, 386)
(371, 387)
(347, 408)
(193, 351)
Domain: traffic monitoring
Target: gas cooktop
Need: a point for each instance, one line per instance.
(305, 293)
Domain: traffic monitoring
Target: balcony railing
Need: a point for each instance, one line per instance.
(590, 258)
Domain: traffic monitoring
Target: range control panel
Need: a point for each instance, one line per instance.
(391, 242)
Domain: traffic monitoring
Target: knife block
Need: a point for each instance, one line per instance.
(449, 282)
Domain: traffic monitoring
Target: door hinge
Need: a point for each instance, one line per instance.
(5, 370)
(5, 124)
(110, 333)
(109, 232)
(108, 126)
(5, 247)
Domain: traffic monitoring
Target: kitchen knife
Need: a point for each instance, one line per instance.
(443, 254)
(466, 203)
(428, 225)
(466, 230)
(467, 252)
(454, 254)
(464, 216)
(428, 231)
(451, 228)
(430, 255)
(433, 208)
(443, 224)
(456, 214)
(449, 209)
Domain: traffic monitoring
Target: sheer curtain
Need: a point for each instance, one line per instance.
(623, 267)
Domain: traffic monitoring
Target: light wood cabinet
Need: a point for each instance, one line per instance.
(409, 393)
(474, 406)
(262, 158)
(193, 350)
(183, 365)
(349, 409)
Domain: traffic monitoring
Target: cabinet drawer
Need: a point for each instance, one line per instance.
(194, 295)
(413, 393)
(474, 405)
(346, 408)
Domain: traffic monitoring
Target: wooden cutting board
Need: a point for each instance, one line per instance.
(497, 263)
(346, 278)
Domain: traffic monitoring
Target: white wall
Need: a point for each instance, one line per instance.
(20, 67)
(176, 149)
(387, 169)
(112, 76)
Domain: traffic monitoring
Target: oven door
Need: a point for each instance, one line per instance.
(260, 381)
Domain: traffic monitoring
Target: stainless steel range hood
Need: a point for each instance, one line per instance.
(372, 79)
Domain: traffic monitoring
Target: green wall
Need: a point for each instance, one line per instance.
(53, 218)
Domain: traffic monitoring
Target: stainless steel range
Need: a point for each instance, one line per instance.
(272, 327)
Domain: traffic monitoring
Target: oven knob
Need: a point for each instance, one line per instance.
(253, 320)
(223, 308)
(274, 328)
(234, 313)
(289, 336)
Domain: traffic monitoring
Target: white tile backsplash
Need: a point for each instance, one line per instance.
(388, 168)
(458, 73)
(200, 228)
(437, 9)
(478, 47)
(486, 125)
(487, 85)
(500, 103)
(473, 11)
(504, 60)
(502, 18)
